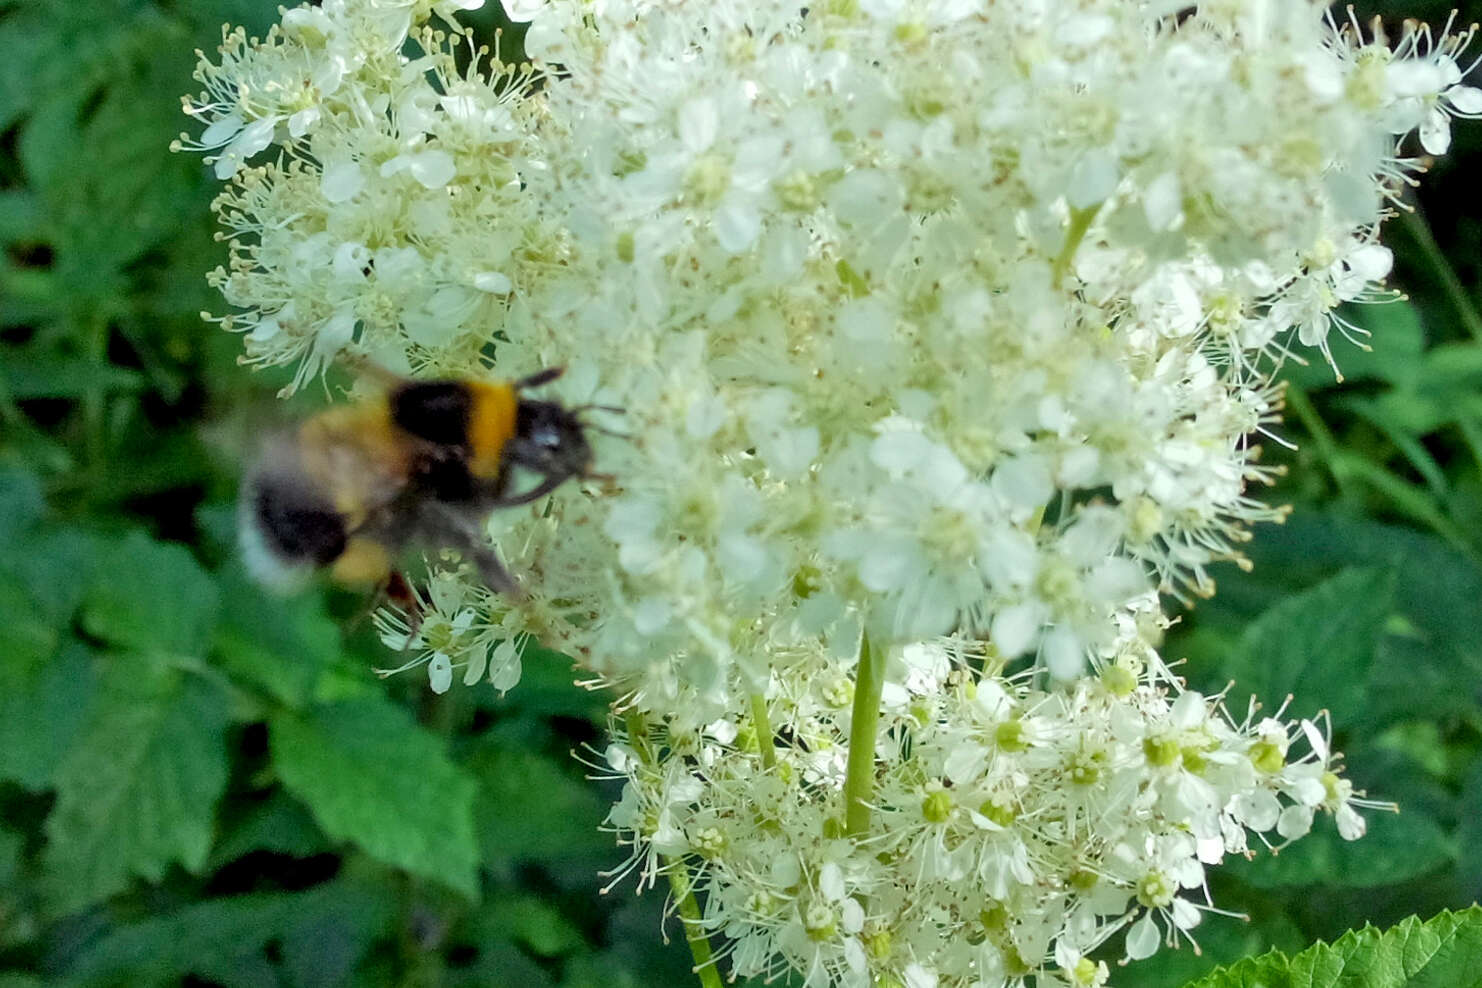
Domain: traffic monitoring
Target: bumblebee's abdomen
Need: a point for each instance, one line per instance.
(297, 524)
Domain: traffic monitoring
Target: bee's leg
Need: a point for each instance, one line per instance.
(492, 571)
(446, 525)
(499, 493)
(396, 590)
(504, 499)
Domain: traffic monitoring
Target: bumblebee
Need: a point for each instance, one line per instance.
(425, 463)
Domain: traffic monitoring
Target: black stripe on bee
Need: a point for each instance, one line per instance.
(298, 524)
(437, 411)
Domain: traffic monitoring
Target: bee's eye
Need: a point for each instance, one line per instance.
(541, 425)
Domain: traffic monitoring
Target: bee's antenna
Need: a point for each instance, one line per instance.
(611, 409)
(539, 377)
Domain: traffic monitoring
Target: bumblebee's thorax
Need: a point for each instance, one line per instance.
(475, 418)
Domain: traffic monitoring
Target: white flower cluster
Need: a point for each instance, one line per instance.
(1018, 828)
(927, 316)
(384, 222)
(930, 318)
(447, 629)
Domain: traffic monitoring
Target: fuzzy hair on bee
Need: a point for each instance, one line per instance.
(423, 464)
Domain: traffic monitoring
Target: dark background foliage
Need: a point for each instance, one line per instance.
(201, 784)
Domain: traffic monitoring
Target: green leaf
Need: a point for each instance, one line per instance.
(534, 922)
(1469, 835)
(220, 939)
(548, 689)
(631, 953)
(1417, 742)
(48, 139)
(333, 929)
(500, 962)
(1398, 347)
(373, 777)
(1317, 646)
(12, 844)
(111, 103)
(1397, 847)
(1441, 953)
(27, 637)
(1409, 445)
(137, 791)
(281, 644)
(1406, 498)
(157, 462)
(41, 711)
(20, 212)
(1430, 660)
(28, 373)
(135, 172)
(557, 820)
(1421, 675)
(1447, 387)
(1453, 366)
(32, 41)
(21, 503)
(56, 566)
(281, 825)
(1436, 586)
(152, 597)
(224, 939)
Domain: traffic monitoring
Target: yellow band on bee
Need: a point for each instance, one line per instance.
(363, 561)
(491, 424)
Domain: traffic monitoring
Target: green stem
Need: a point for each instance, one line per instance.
(859, 778)
(1349, 469)
(638, 735)
(1080, 222)
(1327, 445)
(763, 726)
(1456, 292)
(94, 405)
(679, 872)
(689, 917)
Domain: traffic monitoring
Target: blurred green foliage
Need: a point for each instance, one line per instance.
(200, 784)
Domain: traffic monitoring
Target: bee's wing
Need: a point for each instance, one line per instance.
(362, 466)
(367, 367)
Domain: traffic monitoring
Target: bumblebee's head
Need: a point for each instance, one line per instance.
(549, 440)
(487, 427)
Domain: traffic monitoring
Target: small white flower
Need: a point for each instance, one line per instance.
(440, 672)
